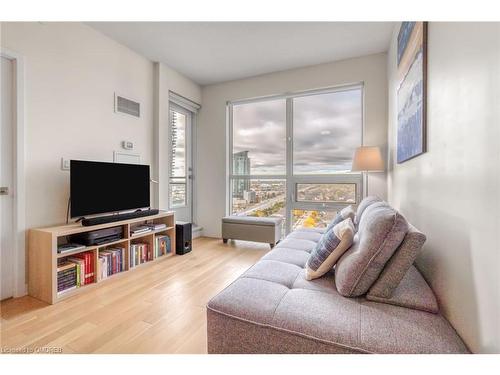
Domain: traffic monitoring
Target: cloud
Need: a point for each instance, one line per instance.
(327, 129)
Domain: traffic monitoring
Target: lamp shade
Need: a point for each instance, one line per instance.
(367, 159)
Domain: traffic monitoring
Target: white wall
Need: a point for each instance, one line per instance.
(167, 79)
(71, 74)
(452, 192)
(211, 177)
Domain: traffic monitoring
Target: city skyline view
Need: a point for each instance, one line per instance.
(326, 131)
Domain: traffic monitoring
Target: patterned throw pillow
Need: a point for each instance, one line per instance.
(329, 249)
(347, 212)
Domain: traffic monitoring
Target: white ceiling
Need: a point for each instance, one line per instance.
(211, 52)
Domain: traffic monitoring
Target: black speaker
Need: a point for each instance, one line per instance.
(183, 237)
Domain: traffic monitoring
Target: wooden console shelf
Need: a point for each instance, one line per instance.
(43, 255)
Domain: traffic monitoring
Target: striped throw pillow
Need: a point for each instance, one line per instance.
(329, 249)
(347, 212)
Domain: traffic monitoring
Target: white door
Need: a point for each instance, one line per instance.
(6, 179)
(181, 168)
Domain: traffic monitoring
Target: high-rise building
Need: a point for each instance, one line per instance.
(250, 196)
(241, 166)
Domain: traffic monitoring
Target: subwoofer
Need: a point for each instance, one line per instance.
(183, 237)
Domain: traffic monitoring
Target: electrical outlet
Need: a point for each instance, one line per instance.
(65, 164)
(127, 145)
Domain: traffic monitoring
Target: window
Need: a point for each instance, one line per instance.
(312, 218)
(326, 131)
(178, 160)
(259, 138)
(254, 197)
(335, 193)
(291, 156)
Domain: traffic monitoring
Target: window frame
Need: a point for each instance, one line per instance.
(174, 107)
(296, 189)
(292, 179)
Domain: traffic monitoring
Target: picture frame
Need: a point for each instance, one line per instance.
(412, 91)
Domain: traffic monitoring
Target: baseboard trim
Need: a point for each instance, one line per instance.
(197, 232)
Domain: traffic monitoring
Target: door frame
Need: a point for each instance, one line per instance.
(19, 213)
(189, 156)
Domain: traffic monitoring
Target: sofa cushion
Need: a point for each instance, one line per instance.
(330, 247)
(311, 313)
(413, 292)
(250, 298)
(380, 231)
(274, 271)
(401, 261)
(345, 213)
(386, 328)
(320, 230)
(368, 201)
(306, 235)
(291, 256)
(257, 315)
(298, 244)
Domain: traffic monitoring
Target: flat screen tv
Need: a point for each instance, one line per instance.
(98, 187)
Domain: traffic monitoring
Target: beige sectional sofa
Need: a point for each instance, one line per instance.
(272, 308)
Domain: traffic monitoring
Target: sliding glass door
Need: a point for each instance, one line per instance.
(290, 156)
(180, 179)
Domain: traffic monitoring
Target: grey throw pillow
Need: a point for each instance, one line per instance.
(329, 249)
(399, 264)
(380, 232)
(363, 205)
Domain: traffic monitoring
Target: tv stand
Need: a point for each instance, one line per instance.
(117, 217)
(43, 256)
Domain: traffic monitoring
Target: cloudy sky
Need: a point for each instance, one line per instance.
(327, 129)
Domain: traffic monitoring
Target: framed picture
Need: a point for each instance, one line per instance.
(412, 90)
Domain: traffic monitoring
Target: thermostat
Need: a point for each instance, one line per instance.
(127, 145)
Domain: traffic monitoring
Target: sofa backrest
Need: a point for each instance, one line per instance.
(381, 229)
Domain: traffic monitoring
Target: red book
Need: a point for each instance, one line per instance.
(86, 265)
(87, 268)
(92, 267)
(88, 258)
(89, 262)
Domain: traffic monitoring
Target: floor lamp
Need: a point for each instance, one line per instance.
(367, 159)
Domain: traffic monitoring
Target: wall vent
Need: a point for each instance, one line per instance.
(127, 106)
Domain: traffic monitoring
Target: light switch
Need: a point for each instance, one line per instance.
(65, 164)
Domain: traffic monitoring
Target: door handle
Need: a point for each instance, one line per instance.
(4, 190)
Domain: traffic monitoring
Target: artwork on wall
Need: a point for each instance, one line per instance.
(412, 71)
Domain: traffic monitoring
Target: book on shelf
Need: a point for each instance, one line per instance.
(139, 253)
(59, 292)
(85, 266)
(157, 226)
(162, 245)
(67, 247)
(140, 229)
(66, 276)
(111, 261)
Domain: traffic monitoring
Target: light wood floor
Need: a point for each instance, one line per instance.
(157, 308)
